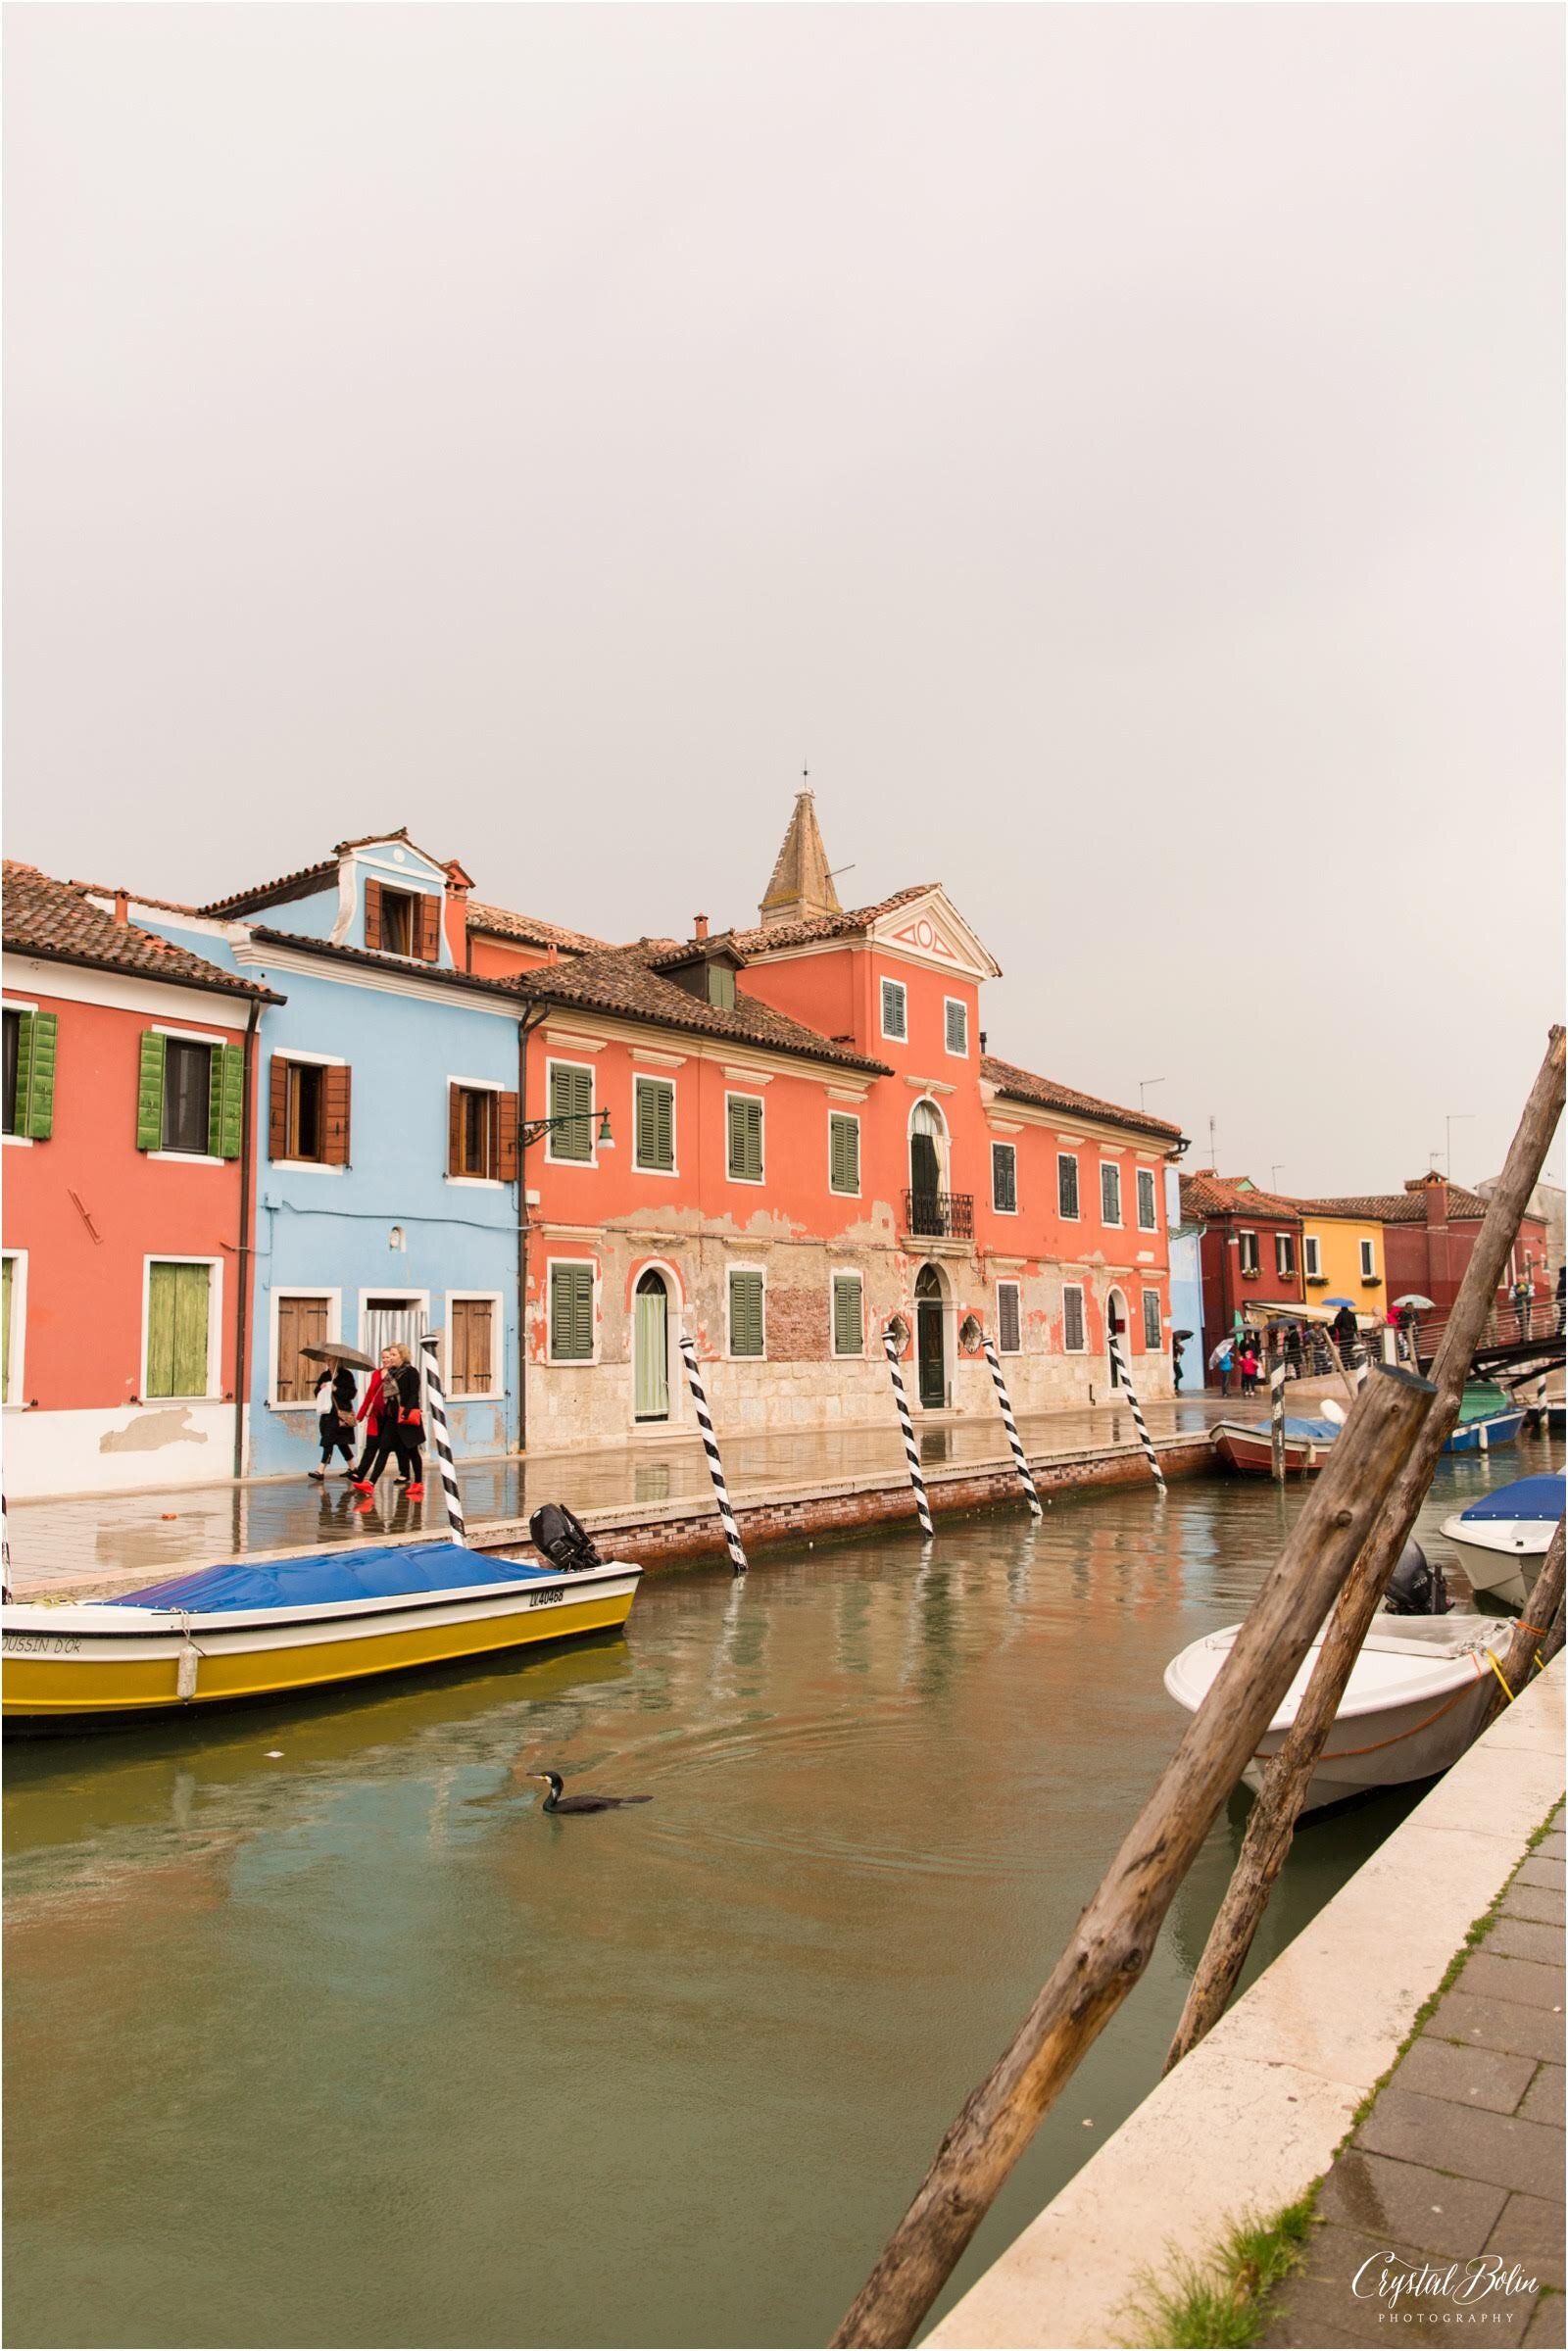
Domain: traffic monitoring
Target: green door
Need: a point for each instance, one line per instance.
(930, 1352)
(651, 1350)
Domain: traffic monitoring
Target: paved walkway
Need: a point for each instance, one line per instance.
(62, 1545)
(1450, 2196)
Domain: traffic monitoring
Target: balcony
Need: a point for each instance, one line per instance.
(940, 1216)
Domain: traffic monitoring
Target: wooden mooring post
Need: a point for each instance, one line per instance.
(1272, 1823)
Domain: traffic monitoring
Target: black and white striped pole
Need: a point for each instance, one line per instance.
(716, 1467)
(1123, 1381)
(910, 1452)
(435, 1413)
(1019, 1463)
(1276, 1414)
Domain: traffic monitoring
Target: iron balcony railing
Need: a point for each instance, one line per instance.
(940, 1216)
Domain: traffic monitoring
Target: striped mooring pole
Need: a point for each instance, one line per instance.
(716, 1467)
(1025, 1479)
(1276, 1415)
(910, 1451)
(1118, 1359)
(435, 1409)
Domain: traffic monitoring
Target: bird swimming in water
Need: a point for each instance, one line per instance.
(555, 1801)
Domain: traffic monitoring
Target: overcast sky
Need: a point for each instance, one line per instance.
(1119, 450)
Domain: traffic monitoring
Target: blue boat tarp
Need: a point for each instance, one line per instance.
(367, 1573)
(1539, 1497)
(1302, 1432)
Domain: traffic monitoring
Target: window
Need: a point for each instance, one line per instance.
(308, 1112)
(746, 1331)
(402, 922)
(1005, 1179)
(955, 1019)
(654, 1125)
(1148, 1218)
(1072, 1318)
(13, 1325)
(1110, 1192)
(1369, 1262)
(1008, 1321)
(187, 1101)
(1151, 1320)
(1247, 1252)
(571, 1097)
(895, 1010)
(302, 1322)
(29, 1073)
(843, 1153)
(1067, 1186)
(470, 1345)
(849, 1326)
(722, 984)
(571, 1313)
(189, 1096)
(1285, 1255)
(744, 1120)
(179, 1299)
(1312, 1254)
(482, 1134)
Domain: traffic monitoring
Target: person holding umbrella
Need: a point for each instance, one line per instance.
(335, 1402)
(392, 1403)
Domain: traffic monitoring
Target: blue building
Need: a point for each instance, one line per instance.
(1186, 1286)
(386, 1148)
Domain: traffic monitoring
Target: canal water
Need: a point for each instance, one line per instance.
(350, 2043)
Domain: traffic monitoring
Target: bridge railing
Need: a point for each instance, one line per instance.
(1510, 1325)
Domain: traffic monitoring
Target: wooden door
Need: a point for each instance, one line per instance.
(651, 1350)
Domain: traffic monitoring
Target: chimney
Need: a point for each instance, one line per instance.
(122, 906)
(552, 952)
(699, 926)
(455, 916)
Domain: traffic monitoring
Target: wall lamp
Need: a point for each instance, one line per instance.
(534, 1128)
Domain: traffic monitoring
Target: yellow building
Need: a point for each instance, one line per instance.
(1342, 1256)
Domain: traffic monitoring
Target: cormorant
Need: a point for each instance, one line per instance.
(555, 1801)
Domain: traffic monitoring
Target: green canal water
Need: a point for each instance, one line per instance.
(356, 2046)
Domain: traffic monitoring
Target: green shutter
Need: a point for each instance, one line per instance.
(655, 1125)
(745, 1140)
(225, 1100)
(572, 1096)
(178, 1299)
(571, 1313)
(745, 1314)
(1004, 1178)
(40, 1094)
(150, 1098)
(6, 1294)
(847, 1334)
(844, 1154)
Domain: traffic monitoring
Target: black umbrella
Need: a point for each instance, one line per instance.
(1183, 1333)
(336, 1352)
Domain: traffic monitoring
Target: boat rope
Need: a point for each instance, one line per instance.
(1019, 1463)
(1497, 1670)
(436, 1406)
(187, 1663)
(1346, 1754)
(716, 1467)
(1539, 1630)
(922, 1501)
(1124, 1381)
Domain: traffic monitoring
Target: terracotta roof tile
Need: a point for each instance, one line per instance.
(57, 921)
(266, 890)
(533, 929)
(409, 966)
(1204, 1195)
(623, 980)
(1022, 1084)
(1398, 1208)
(825, 926)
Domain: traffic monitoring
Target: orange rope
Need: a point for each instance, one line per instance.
(1542, 1630)
(1343, 1754)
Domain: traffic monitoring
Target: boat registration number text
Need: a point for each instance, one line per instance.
(40, 1644)
(546, 1600)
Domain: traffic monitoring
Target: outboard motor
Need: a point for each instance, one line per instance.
(1416, 1587)
(560, 1537)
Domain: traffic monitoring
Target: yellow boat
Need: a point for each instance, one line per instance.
(262, 1631)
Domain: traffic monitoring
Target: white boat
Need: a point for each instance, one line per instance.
(1413, 1703)
(1502, 1537)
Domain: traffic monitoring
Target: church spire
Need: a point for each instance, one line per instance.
(802, 886)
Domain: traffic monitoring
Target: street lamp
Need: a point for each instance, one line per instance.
(534, 1128)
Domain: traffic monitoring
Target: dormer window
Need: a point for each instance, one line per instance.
(710, 977)
(402, 922)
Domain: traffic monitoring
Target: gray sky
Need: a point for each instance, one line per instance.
(1119, 449)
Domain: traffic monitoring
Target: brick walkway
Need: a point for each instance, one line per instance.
(1460, 2156)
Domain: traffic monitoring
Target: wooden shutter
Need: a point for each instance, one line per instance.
(455, 1100)
(149, 1092)
(847, 1318)
(745, 1314)
(571, 1313)
(471, 1372)
(301, 1322)
(1007, 1317)
(1073, 1320)
(894, 1023)
(572, 1096)
(1109, 1194)
(844, 1152)
(1004, 1178)
(176, 1328)
(957, 1016)
(225, 1101)
(745, 1139)
(373, 913)
(278, 1108)
(507, 1145)
(655, 1125)
(1066, 1185)
(427, 928)
(35, 1076)
(1151, 1318)
(337, 1099)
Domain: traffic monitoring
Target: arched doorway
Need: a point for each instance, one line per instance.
(927, 1142)
(930, 1337)
(1116, 1320)
(650, 1349)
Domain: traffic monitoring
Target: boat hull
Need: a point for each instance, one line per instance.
(75, 1667)
(1253, 1453)
(1479, 1436)
(1504, 1570)
(1402, 1743)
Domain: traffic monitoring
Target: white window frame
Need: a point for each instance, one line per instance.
(997, 1144)
(1155, 1345)
(1017, 1291)
(893, 1036)
(572, 1362)
(478, 1183)
(654, 1077)
(1116, 1223)
(744, 1265)
(845, 1273)
(15, 1395)
(1282, 1243)
(479, 1396)
(1245, 1235)
(1076, 1216)
(1141, 1176)
(1369, 1261)
(956, 1004)
(854, 1118)
(742, 1094)
(1069, 1290)
(335, 1329)
(215, 1319)
(1312, 1257)
(19, 1003)
(552, 1158)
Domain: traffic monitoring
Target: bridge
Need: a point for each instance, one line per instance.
(1518, 1344)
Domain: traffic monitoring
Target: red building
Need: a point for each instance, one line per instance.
(128, 1075)
(1429, 1231)
(1251, 1249)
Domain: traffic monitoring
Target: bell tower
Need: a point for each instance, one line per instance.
(802, 886)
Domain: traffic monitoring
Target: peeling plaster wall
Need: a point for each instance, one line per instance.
(119, 1450)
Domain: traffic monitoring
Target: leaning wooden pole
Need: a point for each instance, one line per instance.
(1272, 1823)
(1111, 1945)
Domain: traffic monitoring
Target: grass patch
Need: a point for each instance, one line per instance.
(1210, 2305)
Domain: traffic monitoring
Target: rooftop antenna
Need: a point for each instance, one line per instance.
(1274, 1172)
(1452, 1119)
(1214, 1154)
(1143, 1085)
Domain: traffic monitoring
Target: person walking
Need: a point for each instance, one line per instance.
(1523, 1293)
(1562, 1299)
(399, 1432)
(335, 1402)
(1176, 1363)
(1221, 1360)
(371, 1412)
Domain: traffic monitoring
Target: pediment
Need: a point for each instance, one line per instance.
(930, 930)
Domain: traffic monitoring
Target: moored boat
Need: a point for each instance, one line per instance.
(1502, 1537)
(1415, 1699)
(1248, 1445)
(1487, 1418)
(264, 1630)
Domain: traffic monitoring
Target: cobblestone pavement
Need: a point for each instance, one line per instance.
(1453, 2182)
(67, 1545)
